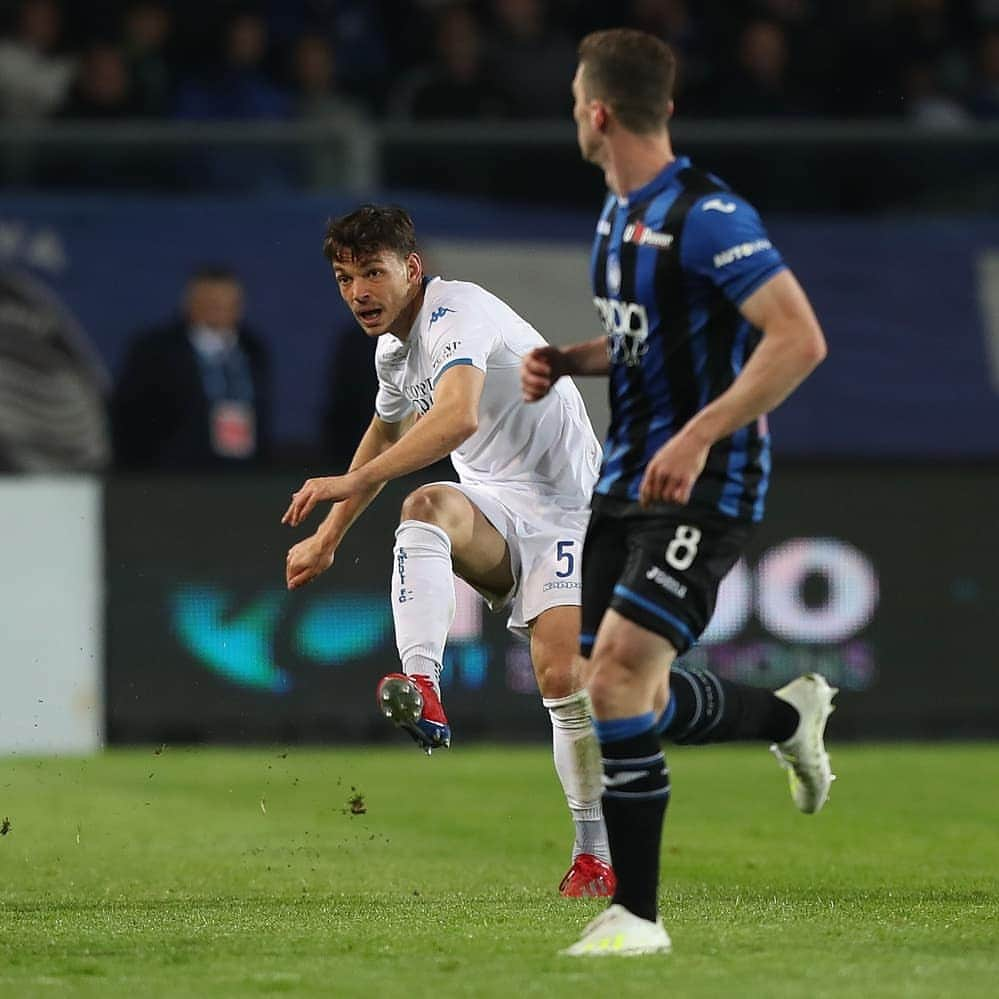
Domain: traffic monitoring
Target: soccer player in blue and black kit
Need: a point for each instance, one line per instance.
(706, 331)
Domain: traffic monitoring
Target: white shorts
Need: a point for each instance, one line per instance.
(545, 540)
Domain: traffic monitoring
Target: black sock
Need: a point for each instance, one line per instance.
(705, 708)
(636, 792)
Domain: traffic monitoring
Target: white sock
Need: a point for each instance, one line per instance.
(422, 597)
(577, 762)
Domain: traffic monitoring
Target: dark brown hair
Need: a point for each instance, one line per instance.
(633, 72)
(369, 230)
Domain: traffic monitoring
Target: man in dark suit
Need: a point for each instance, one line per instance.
(194, 394)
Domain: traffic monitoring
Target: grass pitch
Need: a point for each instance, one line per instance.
(200, 872)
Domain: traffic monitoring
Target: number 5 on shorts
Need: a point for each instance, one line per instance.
(562, 551)
(682, 550)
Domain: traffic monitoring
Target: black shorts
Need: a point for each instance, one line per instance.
(659, 569)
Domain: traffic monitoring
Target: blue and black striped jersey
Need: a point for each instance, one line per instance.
(670, 265)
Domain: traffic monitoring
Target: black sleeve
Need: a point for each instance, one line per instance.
(351, 387)
(135, 412)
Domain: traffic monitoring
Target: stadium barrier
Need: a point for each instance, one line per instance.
(52, 595)
(795, 164)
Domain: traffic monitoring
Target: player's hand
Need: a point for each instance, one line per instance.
(540, 369)
(313, 491)
(674, 468)
(306, 560)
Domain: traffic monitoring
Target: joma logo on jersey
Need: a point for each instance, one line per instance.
(716, 204)
(627, 324)
(642, 235)
(438, 314)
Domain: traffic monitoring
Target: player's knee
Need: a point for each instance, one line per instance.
(553, 669)
(608, 677)
(428, 504)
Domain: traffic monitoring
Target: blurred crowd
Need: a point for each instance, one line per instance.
(933, 61)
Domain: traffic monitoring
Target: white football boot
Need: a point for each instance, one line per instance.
(616, 932)
(804, 755)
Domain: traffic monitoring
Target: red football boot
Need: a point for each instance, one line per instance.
(589, 877)
(411, 703)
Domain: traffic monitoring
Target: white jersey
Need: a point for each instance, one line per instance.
(546, 447)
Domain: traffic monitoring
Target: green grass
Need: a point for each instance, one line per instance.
(137, 874)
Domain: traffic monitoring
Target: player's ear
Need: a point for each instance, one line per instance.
(669, 109)
(414, 267)
(598, 116)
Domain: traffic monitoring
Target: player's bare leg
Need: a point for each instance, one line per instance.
(440, 532)
(554, 644)
(628, 665)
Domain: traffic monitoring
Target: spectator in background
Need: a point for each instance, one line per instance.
(102, 88)
(927, 104)
(454, 84)
(673, 22)
(814, 36)
(319, 99)
(314, 74)
(102, 92)
(239, 86)
(34, 79)
(931, 33)
(359, 44)
(194, 394)
(530, 57)
(355, 29)
(148, 26)
(350, 400)
(238, 89)
(760, 85)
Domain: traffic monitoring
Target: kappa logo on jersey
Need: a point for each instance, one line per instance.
(438, 314)
(717, 205)
(740, 251)
(642, 235)
(627, 325)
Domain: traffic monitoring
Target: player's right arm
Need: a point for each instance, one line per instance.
(542, 367)
(314, 555)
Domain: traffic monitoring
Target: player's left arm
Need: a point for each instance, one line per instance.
(792, 345)
(452, 419)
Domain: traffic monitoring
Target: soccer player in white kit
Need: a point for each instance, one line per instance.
(448, 364)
